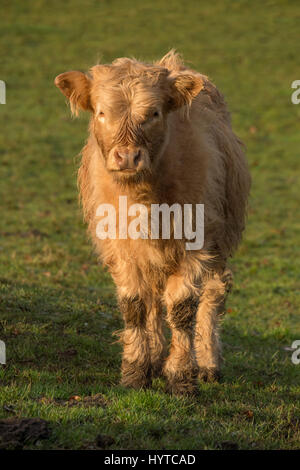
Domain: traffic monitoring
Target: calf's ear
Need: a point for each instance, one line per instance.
(184, 88)
(76, 87)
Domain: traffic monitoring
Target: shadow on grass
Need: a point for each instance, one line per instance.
(69, 332)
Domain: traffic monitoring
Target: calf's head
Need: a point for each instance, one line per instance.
(130, 103)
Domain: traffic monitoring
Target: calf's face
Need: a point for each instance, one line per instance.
(130, 104)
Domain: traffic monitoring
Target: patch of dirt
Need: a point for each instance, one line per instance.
(90, 400)
(15, 433)
(228, 445)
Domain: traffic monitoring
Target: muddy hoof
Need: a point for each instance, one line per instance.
(183, 383)
(179, 388)
(134, 376)
(157, 370)
(135, 384)
(209, 374)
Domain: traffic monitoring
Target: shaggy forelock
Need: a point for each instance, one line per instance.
(129, 84)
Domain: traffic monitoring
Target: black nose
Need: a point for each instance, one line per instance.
(127, 159)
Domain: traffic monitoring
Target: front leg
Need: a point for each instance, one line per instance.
(156, 338)
(181, 367)
(136, 353)
(206, 341)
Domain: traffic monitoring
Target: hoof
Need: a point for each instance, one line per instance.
(183, 383)
(133, 376)
(209, 374)
(179, 388)
(157, 369)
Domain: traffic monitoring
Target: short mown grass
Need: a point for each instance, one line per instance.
(57, 305)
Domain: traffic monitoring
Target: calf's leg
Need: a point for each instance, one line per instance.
(180, 367)
(154, 327)
(206, 339)
(136, 352)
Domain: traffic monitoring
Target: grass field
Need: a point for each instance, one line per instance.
(57, 305)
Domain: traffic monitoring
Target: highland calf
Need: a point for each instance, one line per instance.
(161, 134)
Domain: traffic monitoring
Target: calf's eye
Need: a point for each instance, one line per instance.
(150, 117)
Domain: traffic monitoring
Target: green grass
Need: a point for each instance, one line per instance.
(57, 305)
